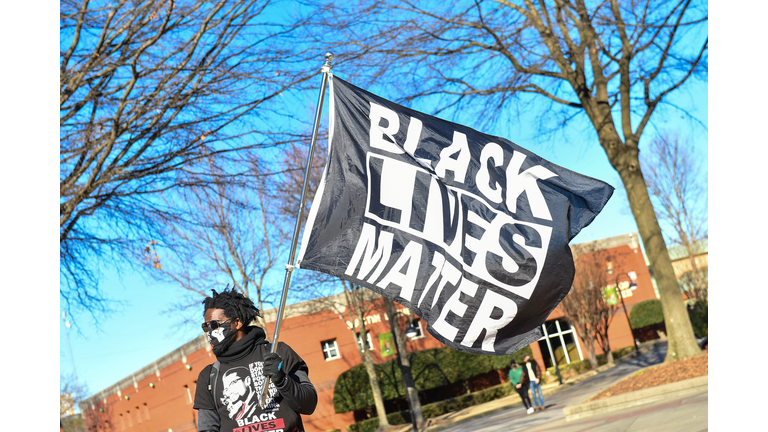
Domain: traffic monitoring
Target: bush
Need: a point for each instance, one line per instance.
(431, 368)
(369, 425)
(570, 369)
(699, 318)
(438, 408)
(619, 353)
(482, 396)
(646, 313)
(579, 367)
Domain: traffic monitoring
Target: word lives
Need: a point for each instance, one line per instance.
(450, 239)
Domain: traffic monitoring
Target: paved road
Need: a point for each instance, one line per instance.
(682, 415)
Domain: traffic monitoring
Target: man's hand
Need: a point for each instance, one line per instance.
(519, 386)
(273, 367)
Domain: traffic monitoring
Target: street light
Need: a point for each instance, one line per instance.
(632, 286)
(412, 395)
(412, 331)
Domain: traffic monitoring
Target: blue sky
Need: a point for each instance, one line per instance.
(103, 351)
(106, 350)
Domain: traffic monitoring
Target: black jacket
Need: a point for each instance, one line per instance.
(536, 370)
(236, 402)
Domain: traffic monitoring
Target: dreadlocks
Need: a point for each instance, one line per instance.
(235, 305)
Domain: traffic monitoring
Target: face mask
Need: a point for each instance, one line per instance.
(219, 338)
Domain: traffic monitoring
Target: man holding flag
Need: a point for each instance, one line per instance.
(227, 391)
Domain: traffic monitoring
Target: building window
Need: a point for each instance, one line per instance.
(420, 333)
(330, 349)
(609, 267)
(360, 343)
(559, 343)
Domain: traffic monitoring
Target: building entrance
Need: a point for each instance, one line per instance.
(559, 343)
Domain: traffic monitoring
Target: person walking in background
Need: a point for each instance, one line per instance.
(520, 382)
(533, 373)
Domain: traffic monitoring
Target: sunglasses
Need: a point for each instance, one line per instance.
(213, 325)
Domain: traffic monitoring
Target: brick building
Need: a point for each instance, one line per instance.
(623, 263)
(158, 397)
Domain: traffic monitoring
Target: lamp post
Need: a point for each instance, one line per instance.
(632, 286)
(412, 395)
(411, 331)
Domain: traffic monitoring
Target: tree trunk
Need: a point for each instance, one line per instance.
(591, 355)
(405, 366)
(681, 340)
(608, 352)
(698, 292)
(370, 367)
(589, 344)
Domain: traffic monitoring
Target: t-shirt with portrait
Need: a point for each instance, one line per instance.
(238, 383)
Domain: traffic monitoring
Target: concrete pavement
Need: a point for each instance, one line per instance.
(675, 407)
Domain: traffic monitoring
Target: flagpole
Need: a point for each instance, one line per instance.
(326, 70)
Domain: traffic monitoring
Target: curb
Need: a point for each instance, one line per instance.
(674, 390)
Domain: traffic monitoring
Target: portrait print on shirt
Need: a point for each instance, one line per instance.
(240, 387)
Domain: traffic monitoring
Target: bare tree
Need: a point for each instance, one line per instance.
(358, 304)
(679, 188)
(151, 93)
(71, 393)
(612, 63)
(585, 306)
(291, 173)
(603, 321)
(231, 236)
(354, 304)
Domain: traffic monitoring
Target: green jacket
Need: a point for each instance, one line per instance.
(516, 375)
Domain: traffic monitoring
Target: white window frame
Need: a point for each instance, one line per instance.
(559, 334)
(417, 323)
(360, 343)
(328, 346)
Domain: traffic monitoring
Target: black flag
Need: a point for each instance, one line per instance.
(468, 230)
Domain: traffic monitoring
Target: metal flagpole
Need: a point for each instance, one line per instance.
(326, 69)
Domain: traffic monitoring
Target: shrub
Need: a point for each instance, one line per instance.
(438, 408)
(623, 351)
(352, 390)
(431, 368)
(646, 313)
(699, 318)
(570, 369)
(579, 367)
(369, 425)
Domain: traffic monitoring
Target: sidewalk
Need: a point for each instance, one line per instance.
(446, 421)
